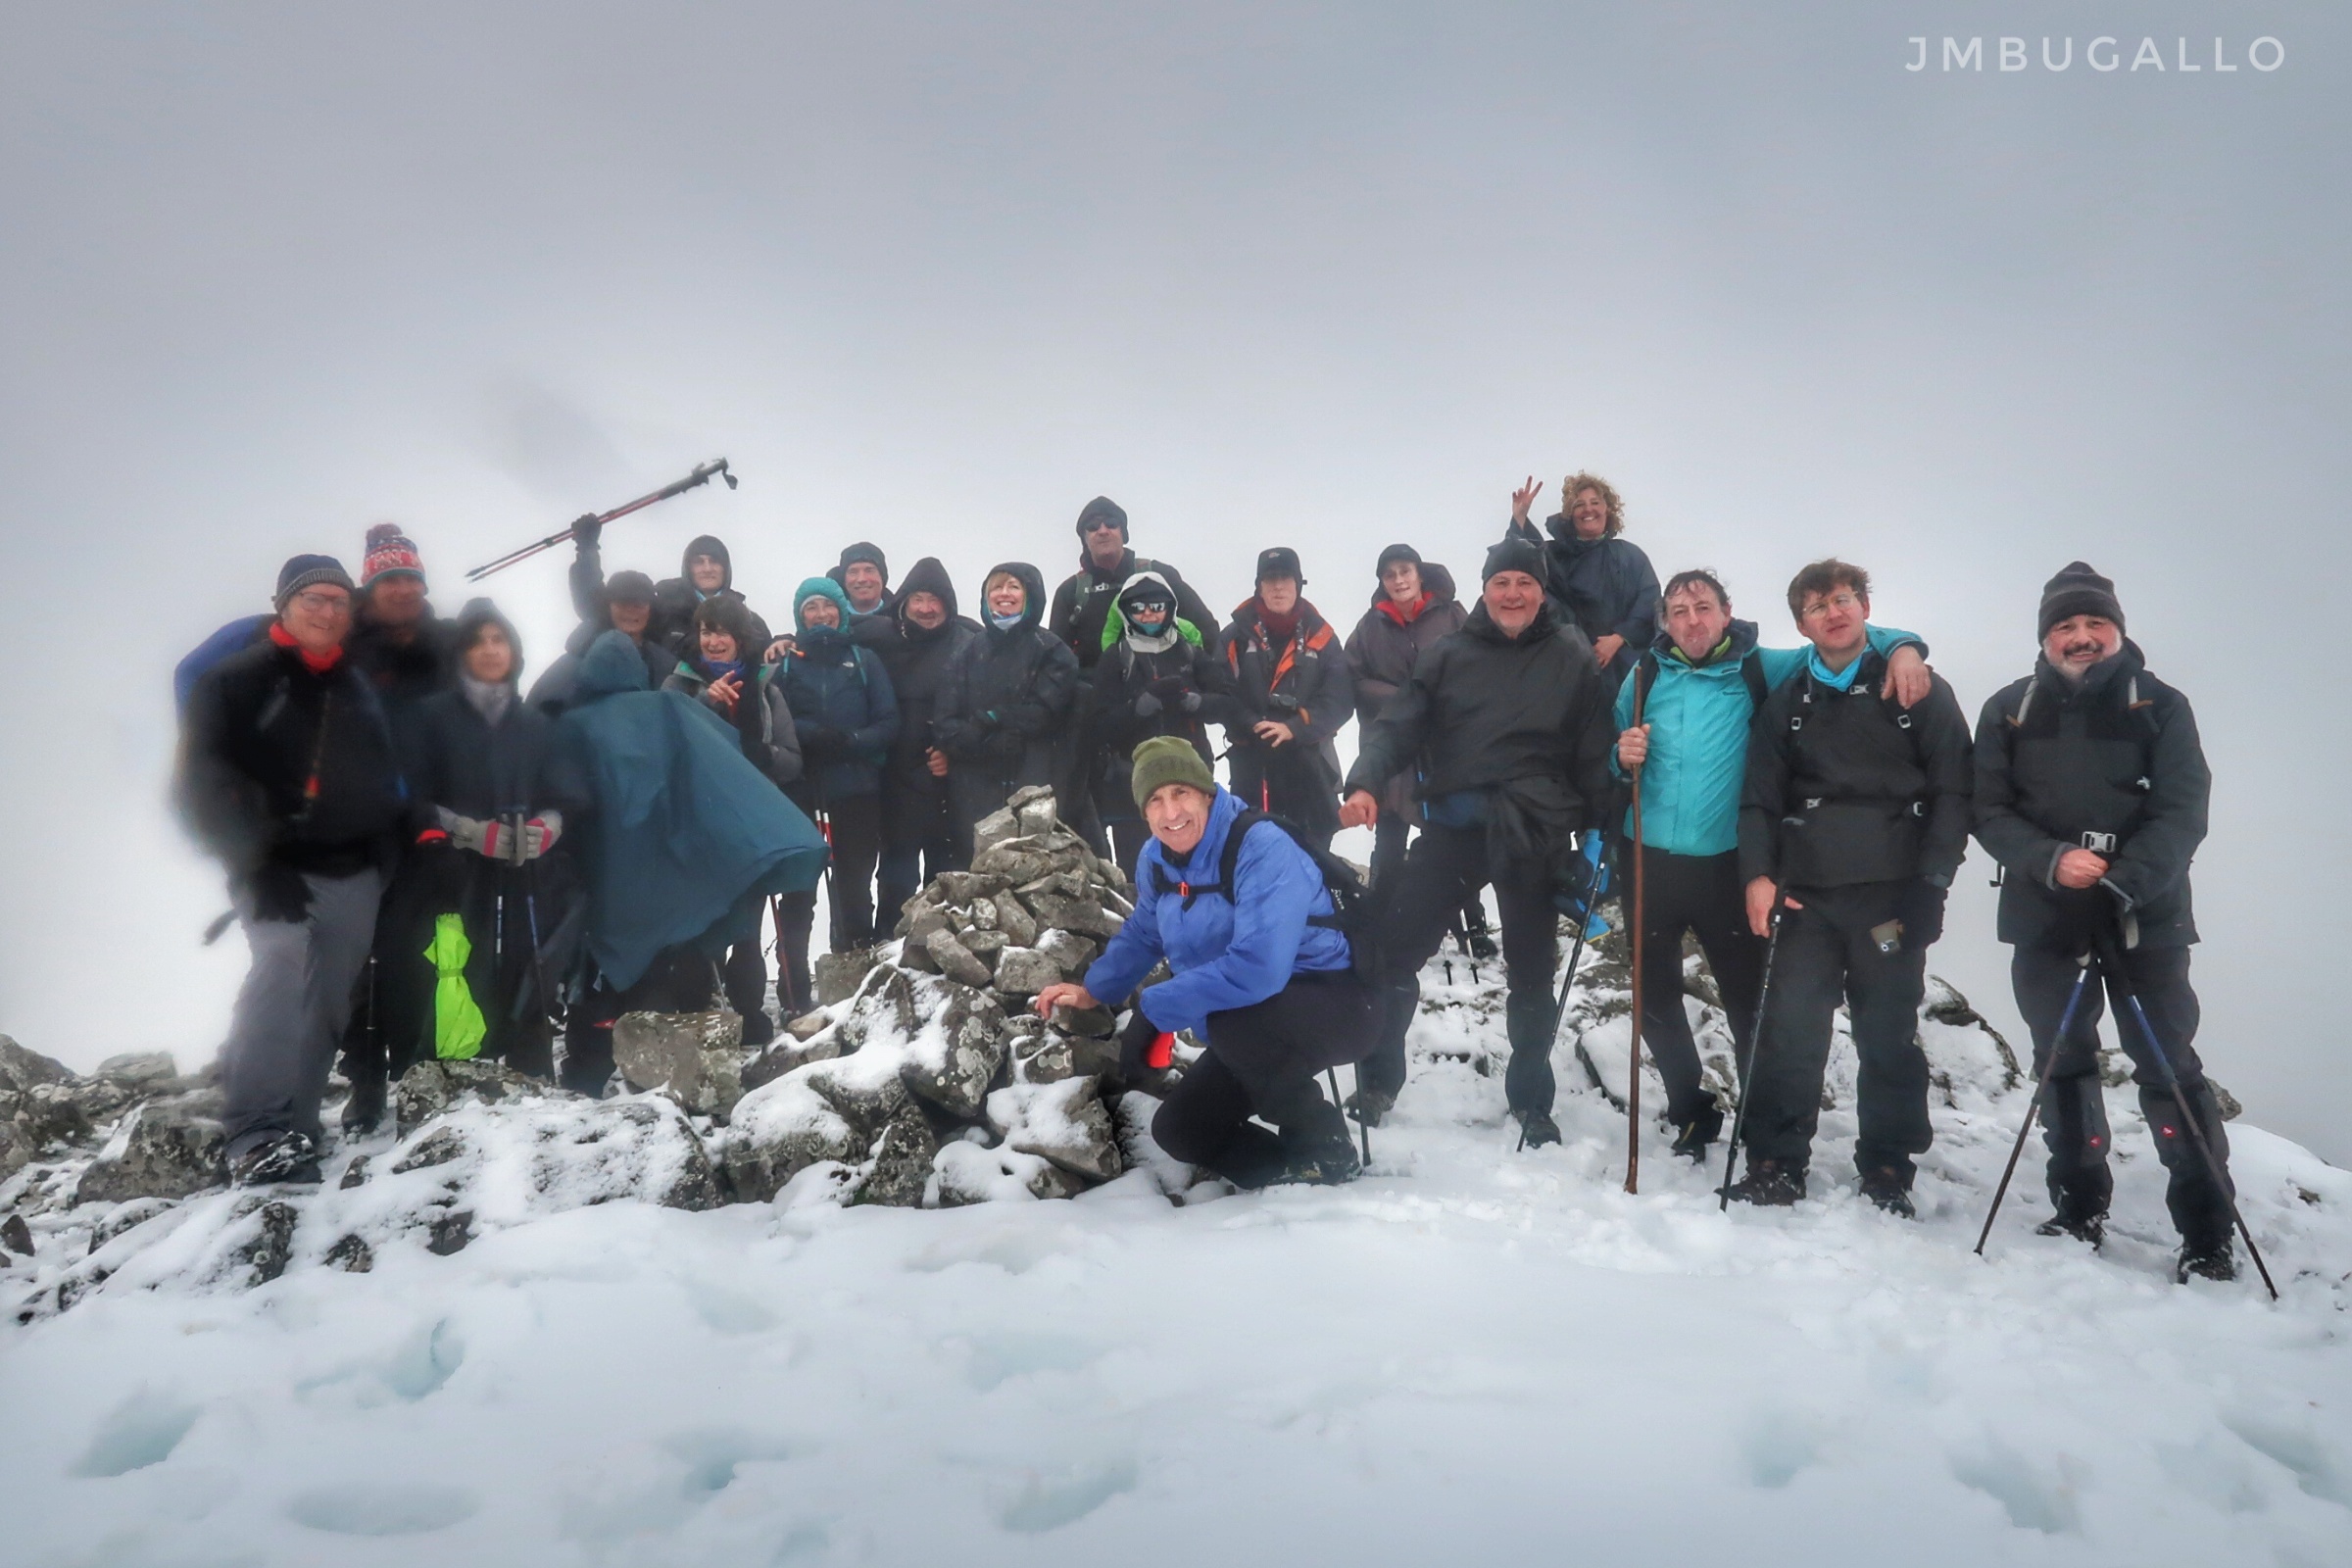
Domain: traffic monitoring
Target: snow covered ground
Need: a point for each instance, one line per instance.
(1471, 1351)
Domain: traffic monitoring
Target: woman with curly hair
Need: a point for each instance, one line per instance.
(1604, 583)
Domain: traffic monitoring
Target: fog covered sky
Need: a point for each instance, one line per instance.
(1325, 277)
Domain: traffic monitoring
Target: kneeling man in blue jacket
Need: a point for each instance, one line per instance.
(1262, 973)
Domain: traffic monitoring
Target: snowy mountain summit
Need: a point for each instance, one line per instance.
(915, 1284)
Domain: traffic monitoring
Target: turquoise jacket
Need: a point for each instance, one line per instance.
(1698, 717)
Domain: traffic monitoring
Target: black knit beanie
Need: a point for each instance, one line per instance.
(2077, 590)
(1514, 554)
(1103, 507)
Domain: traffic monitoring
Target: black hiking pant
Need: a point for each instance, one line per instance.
(856, 838)
(2073, 1113)
(1389, 837)
(390, 1024)
(1262, 1061)
(1703, 895)
(1828, 957)
(918, 843)
(1290, 782)
(1446, 866)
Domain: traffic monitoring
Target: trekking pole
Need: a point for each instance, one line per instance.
(2111, 959)
(2041, 1085)
(1633, 1074)
(1333, 1073)
(1746, 1070)
(716, 467)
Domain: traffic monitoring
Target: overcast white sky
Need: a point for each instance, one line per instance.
(1325, 277)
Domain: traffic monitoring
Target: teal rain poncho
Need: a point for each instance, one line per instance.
(686, 836)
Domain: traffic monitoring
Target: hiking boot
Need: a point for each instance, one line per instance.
(758, 1028)
(1890, 1187)
(1316, 1147)
(1371, 1107)
(289, 1159)
(1537, 1128)
(2079, 1218)
(1482, 946)
(1692, 1136)
(1769, 1184)
(2214, 1259)
(364, 1111)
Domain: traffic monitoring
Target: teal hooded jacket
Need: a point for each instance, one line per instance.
(685, 835)
(1698, 717)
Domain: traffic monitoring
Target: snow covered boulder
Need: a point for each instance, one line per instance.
(163, 1149)
(952, 1065)
(695, 1058)
(1064, 1122)
(969, 1173)
(779, 1130)
(430, 1087)
(838, 975)
(900, 1172)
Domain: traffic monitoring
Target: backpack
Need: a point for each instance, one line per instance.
(231, 639)
(1353, 913)
(1751, 671)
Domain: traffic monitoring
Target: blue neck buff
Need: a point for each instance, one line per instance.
(1835, 680)
(1006, 622)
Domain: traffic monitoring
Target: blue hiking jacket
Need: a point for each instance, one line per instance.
(1227, 952)
(831, 683)
(1698, 718)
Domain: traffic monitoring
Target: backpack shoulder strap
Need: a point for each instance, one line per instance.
(1231, 856)
(1751, 671)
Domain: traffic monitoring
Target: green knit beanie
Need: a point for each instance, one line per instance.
(1170, 759)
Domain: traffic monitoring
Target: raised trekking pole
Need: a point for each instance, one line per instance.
(2111, 959)
(1632, 1073)
(717, 469)
(1746, 1070)
(2041, 1085)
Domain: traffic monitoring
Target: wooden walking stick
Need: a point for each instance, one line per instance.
(1633, 1077)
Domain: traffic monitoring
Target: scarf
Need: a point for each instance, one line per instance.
(1399, 612)
(1006, 622)
(317, 664)
(490, 699)
(1280, 629)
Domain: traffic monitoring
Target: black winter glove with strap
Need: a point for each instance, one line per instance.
(1922, 913)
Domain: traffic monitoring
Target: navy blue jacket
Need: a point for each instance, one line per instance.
(832, 684)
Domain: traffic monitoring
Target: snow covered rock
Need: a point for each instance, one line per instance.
(779, 1130)
(902, 1163)
(971, 1174)
(1025, 971)
(138, 1069)
(430, 1087)
(1064, 1122)
(695, 1058)
(951, 957)
(163, 1149)
(953, 1065)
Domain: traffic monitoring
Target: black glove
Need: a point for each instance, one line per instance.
(279, 894)
(1148, 705)
(1170, 689)
(587, 528)
(1144, 1047)
(1922, 913)
(1190, 703)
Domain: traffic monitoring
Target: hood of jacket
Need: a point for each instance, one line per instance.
(706, 545)
(1033, 607)
(478, 613)
(925, 576)
(612, 664)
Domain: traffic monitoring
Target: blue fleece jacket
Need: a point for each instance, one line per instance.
(1699, 720)
(1227, 952)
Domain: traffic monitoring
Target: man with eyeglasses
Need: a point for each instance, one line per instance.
(1699, 685)
(1079, 616)
(1853, 818)
(287, 773)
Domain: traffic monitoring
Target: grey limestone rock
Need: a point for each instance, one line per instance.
(163, 1149)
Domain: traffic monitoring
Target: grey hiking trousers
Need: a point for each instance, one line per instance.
(292, 1008)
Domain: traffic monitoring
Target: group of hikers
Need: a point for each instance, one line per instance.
(428, 859)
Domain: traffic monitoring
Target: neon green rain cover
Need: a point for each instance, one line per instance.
(457, 1026)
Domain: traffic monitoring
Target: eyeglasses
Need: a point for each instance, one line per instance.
(328, 604)
(1822, 607)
